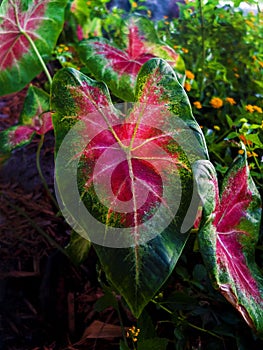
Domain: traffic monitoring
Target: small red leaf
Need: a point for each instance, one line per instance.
(20, 135)
(45, 124)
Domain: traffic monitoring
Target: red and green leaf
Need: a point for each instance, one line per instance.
(40, 21)
(119, 68)
(228, 234)
(149, 155)
(35, 118)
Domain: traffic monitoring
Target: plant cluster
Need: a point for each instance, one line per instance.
(120, 103)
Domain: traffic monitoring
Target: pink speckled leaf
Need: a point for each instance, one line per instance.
(228, 234)
(131, 171)
(118, 68)
(41, 22)
(35, 118)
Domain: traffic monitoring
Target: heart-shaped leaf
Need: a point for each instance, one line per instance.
(131, 170)
(228, 234)
(26, 27)
(35, 118)
(119, 68)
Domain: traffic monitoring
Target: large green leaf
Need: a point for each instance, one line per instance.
(147, 156)
(119, 68)
(26, 26)
(228, 234)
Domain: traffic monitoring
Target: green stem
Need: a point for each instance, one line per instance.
(200, 5)
(184, 320)
(39, 57)
(41, 142)
(33, 46)
(218, 157)
(121, 324)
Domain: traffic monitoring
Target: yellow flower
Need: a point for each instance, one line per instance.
(189, 75)
(249, 108)
(257, 109)
(241, 151)
(260, 63)
(185, 50)
(251, 154)
(230, 100)
(149, 13)
(216, 127)
(134, 4)
(166, 23)
(197, 104)
(216, 102)
(187, 86)
(133, 333)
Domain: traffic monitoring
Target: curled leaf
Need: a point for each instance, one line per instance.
(228, 235)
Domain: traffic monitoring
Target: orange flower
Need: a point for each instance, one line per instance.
(185, 50)
(249, 108)
(189, 75)
(216, 102)
(257, 109)
(134, 4)
(245, 141)
(187, 86)
(197, 104)
(230, 100)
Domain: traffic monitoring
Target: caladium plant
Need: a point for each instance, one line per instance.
(35, 118)
(139, 153)
(29, 30)
(119, 68)
(228, 234)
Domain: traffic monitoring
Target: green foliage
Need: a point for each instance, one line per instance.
(223, 55)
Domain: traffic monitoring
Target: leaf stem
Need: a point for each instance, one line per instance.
(40, 144)
(38, 56)
(23, 32)
(200, 3)
(121, 323)
(184, 320)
